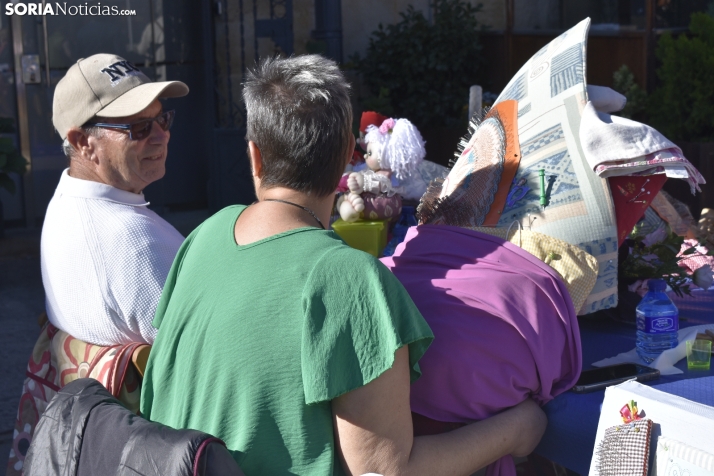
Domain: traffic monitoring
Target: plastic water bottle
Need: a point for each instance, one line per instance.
(657, 322)
(406, 219)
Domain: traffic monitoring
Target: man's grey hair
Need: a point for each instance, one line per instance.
(67, 148)
(300, 117)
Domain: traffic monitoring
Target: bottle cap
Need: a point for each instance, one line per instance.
(656, 285)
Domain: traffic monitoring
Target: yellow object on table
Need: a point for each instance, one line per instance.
(366, 235)
(699, 354)
(578, 269)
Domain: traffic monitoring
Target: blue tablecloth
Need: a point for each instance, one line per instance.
(573, 418)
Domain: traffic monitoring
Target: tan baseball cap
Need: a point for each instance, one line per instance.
(105, 85)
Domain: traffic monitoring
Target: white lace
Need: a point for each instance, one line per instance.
(377, 183)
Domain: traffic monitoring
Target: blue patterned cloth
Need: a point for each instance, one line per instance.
(551, 93)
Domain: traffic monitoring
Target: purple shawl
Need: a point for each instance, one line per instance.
(504, 325)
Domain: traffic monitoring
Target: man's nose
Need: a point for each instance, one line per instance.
(158, 134)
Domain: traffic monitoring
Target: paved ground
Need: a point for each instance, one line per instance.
(21, 302)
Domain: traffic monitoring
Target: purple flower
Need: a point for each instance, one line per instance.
(655, 237)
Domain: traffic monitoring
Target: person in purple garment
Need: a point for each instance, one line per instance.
(505, 330)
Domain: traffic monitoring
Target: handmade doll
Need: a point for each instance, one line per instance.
(369, 118)
(394, 150)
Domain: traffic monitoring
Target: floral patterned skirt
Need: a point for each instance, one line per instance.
(57, 359)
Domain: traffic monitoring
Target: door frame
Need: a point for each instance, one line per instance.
(23, 127)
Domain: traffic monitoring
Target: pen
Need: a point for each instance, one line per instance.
(543, 199)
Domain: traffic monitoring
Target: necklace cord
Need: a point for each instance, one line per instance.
(299, 206)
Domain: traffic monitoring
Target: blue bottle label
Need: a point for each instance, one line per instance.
(657, 325)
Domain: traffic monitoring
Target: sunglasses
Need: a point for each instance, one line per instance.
(140, 129)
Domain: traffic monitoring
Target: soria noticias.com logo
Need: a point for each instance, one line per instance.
(62, 8)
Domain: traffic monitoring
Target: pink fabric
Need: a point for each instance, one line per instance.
(654, 163)
(504, 325)
(342, 185)
(696, 260)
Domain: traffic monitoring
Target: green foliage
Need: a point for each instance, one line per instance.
(7, 124)
(423, 71)
(381, 102)
(10, 159)
(682, 108)
(659, 260)
(623, 81)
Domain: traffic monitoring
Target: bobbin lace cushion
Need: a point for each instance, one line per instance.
(465, 196)
(550, 89)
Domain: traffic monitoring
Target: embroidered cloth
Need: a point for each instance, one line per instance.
(618, 146)
(632, 196)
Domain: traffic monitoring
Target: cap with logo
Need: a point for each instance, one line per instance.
(105, 85)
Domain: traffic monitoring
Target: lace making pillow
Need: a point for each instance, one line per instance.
(551, 93)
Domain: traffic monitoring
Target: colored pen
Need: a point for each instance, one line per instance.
(543, 199)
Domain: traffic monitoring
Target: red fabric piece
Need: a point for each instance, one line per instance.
(630, 201)
(371, 118)
(357, 157)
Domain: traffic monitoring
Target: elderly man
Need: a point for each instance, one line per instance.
(105, 255)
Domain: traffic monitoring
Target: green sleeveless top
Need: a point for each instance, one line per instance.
(254, 341)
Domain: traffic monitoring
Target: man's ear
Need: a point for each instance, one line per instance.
(256, 159)
(79, 140)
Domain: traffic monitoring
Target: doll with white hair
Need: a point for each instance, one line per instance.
(394, 150)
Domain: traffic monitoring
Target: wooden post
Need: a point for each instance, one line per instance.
(510, 7)
(650, 43)
(23, 124)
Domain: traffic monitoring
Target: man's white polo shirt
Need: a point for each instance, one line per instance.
(105, 258)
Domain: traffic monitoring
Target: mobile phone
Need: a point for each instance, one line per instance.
(596, 379)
